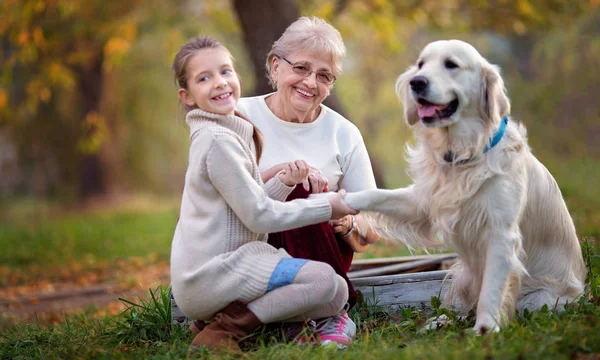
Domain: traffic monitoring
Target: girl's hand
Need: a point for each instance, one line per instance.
(316, 181)
(339, 208)
(294, 173)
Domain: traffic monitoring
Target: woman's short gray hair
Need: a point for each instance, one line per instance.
(311, 34)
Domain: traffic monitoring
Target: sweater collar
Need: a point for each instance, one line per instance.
(198, 118)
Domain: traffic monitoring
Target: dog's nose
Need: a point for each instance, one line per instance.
(418, 84)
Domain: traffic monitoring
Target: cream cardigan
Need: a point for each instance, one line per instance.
(219, 252)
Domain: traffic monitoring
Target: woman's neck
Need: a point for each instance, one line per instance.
(288, 113)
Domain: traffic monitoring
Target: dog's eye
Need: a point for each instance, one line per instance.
(420, 64)
(449, 64)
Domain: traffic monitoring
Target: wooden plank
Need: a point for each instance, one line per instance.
(401, 267)
(400, 291)
(401, 278)
(361, 264)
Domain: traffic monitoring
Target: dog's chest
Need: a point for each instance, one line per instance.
(449, 196)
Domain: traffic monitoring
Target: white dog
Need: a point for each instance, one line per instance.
(478, 189)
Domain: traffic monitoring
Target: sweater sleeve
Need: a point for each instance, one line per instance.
(277, 190)
(358, 173)
(229, 169)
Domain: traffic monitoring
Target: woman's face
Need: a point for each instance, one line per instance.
(302, 93)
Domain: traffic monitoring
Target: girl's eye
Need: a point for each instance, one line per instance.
(204, 78)
(227, 72)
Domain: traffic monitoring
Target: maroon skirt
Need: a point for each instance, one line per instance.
(317, 242)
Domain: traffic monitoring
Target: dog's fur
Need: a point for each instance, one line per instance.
(501, 210)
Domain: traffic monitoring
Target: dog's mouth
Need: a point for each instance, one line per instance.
(430, 112)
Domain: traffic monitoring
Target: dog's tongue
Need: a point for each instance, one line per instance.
(428, 110)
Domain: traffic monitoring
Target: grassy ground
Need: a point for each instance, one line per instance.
(44, 245)
(143, 331)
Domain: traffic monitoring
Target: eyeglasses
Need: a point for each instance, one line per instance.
(324, 77)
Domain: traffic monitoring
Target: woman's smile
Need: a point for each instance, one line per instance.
(304, 93)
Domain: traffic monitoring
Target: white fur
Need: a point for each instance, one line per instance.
(502, 211)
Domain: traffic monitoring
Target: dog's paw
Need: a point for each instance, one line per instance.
(486, 325)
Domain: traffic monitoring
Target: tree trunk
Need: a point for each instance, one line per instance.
(90, 81)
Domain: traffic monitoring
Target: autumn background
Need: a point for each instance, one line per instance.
(93, 147)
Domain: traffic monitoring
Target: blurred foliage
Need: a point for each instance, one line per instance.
(549, 51)
(54, 55)
(62, 64)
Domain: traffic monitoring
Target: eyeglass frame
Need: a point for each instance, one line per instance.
(310, 72)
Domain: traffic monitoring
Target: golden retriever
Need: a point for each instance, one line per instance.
(479, 190)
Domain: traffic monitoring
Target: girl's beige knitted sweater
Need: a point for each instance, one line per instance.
(219, 252)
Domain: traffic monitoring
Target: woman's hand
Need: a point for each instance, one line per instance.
(316, 181)
(356, 232)
(339, 208)
(344, 225)
(294, 173)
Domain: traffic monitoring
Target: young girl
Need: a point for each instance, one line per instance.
(222, 268)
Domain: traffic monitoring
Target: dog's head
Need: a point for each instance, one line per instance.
(451, 81)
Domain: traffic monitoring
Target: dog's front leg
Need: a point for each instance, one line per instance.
(399, 203)
(501, 266)
(395, 215)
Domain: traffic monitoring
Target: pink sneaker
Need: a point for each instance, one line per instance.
(339, 329)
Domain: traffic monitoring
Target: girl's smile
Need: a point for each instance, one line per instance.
(213, 84)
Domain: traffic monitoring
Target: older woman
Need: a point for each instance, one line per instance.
(299, 130)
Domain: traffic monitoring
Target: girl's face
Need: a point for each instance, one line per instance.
(212, 84)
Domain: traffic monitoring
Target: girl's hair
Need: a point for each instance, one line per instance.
(310, 34)
(180, 63)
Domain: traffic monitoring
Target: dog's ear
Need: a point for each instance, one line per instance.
(410, 107)
(494, 101)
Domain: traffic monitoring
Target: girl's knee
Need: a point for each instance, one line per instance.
(314, 271)
(341, 295)
(342, 286)
(321, 279)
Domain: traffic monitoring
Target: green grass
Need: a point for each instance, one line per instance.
(142, 331)
(578, 179)
(101, 237)
(87, 238)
